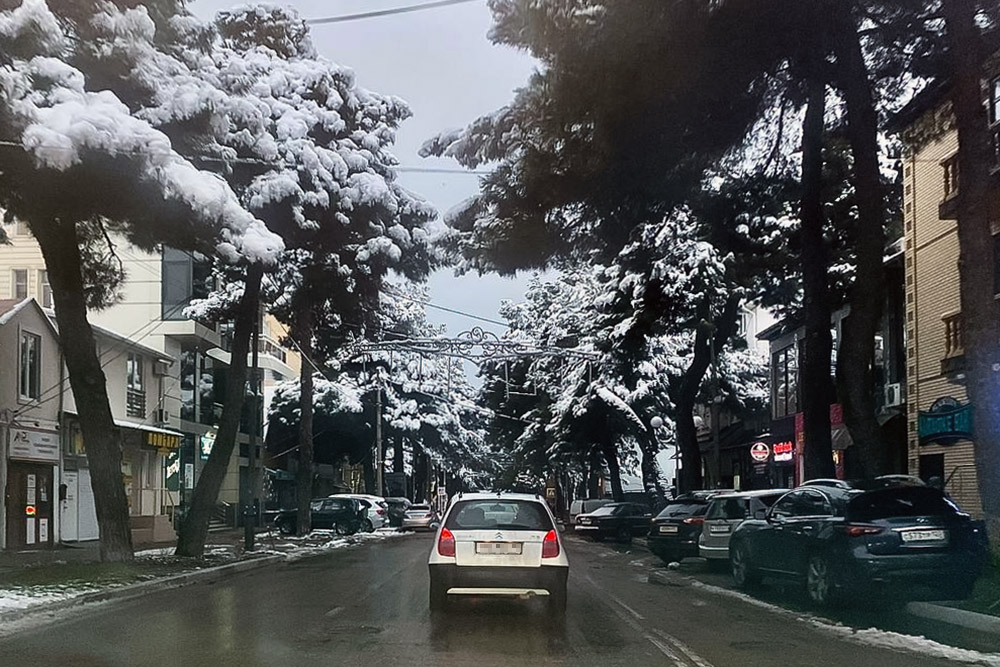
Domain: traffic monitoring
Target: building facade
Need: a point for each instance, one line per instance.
(939, 415)
(151, 313)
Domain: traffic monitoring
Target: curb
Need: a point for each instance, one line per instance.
(970, 620)
(205, 575)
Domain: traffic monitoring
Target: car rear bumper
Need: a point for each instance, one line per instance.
(588, 529)
(676, 545)
(473, 580)
(418, 524)
(941, 572)
(713, 553)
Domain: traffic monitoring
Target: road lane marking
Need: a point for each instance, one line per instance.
(682, 657)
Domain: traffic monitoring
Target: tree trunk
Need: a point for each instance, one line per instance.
(976, 261)
(649, 448)
(60, 248)
(194, 528)
(689, 477)
(815, 387)
(419, 474)
(304, 476)
(856, 354)
(398, 458)
(614, 469)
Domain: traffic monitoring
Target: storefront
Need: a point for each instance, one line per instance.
(32, 465)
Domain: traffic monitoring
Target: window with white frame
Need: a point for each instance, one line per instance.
(19, 284)
(30, 366)
(995, 101)
(44, 289)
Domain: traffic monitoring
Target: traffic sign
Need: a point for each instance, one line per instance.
(29, 510)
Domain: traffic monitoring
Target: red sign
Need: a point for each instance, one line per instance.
(29, 510)
(783, 451)
(759, 452)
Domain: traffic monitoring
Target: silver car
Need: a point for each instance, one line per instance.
(420, 517)
(724, 513)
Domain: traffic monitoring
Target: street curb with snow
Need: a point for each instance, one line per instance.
(963, 618)
(204, 575)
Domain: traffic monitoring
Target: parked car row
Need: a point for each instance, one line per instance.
(348, 513)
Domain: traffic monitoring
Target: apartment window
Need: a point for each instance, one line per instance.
(785, 381)
(19, 284)
(44, 289)
(21, 228)
(30, 371)
(950, 167)
(185, 276)
(136, 394)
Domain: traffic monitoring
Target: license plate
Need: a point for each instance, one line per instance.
(923, 535)
(668, 529)
(499, 548)
(724, 528)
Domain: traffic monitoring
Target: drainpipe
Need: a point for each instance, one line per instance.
(57, 515)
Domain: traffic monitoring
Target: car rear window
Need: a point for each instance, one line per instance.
(501, 514)
(683, 509)
(419, 508)
(900, 502)
(730, 508)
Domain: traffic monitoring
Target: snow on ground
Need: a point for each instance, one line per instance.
(25, 598)
(870, 636)
(322, 541)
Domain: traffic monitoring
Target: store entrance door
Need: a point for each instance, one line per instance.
(29, 505)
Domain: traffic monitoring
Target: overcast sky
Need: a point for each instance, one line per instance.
(441, 62)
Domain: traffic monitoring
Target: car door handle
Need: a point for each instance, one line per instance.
(807, 529)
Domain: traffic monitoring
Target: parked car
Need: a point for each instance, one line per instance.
(343, 515)
(909, 540)
(724, 513)
(673, 533)
(397, 510)
(619, 520)
(377, 512)
(498, 545)
(578, 507)
(421, 517)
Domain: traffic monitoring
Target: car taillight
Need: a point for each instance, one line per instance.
(860, 530)
(694, 520)
(446, 543)
(380, 512)
(550, 545)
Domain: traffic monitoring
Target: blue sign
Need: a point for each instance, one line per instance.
(946, 423)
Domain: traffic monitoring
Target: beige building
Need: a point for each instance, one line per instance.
(158, 288)
(939, 417)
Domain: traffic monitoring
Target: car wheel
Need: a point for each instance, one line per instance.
(744, 576)
(367, 526)
(819, 581)
(438, 596)
(624, 535)
(341, 529)
(286, 528)
(557, 600)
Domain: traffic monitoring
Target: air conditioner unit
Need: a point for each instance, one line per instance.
(162, 416)
(894, 395)
(161, 367)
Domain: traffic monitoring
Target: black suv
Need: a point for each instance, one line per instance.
(343, 515)
(673, 533)
(909, 540)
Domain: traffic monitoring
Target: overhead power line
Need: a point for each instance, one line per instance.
(446, 309)
(387, 12)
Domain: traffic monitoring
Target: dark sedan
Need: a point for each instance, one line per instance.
(343, 515)
(674, 532)
(619, 520)
(908, 540)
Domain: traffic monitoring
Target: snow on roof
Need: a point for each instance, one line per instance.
(11, 307)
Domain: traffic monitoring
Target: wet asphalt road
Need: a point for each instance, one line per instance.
(368, 606)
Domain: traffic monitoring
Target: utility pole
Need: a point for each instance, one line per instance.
(716, 472)
(251, 512)
(378, 438)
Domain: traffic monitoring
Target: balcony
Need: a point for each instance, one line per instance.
(954, 344)
(948, 208)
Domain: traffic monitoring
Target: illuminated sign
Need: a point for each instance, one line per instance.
(759, 452)
(783, 451)
(29, 510)
(165, 442)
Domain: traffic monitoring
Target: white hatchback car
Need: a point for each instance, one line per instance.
(498, 544)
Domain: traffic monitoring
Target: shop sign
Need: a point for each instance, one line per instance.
(31, 445)
(946, 423)
(164, 442)
(759, 452)
(783, 451)
(207, 442)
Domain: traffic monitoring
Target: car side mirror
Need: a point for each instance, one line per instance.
(774, 517)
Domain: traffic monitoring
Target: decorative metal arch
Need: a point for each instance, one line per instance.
(476, 345)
